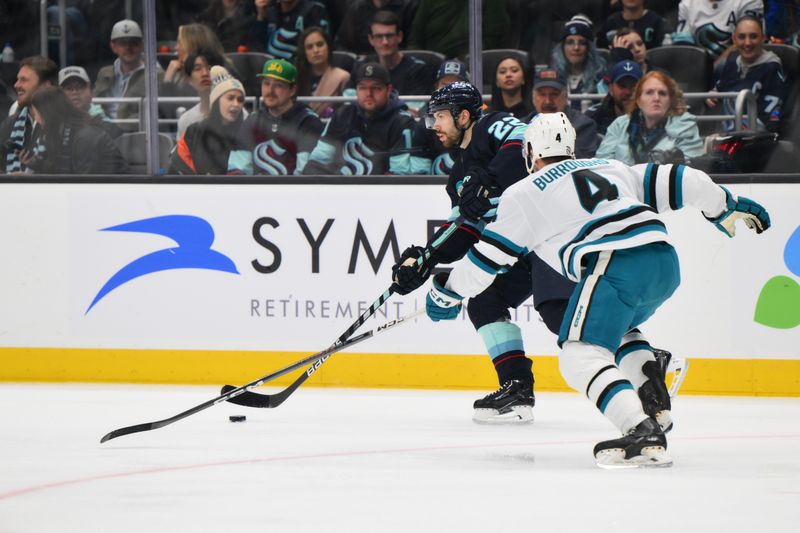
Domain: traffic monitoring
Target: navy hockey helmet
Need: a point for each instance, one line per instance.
(456, 97)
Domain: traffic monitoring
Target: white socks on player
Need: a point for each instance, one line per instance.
(591, 370)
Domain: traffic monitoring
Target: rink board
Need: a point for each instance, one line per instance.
(96, 288)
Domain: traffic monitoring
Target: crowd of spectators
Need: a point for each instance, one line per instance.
(632, 110)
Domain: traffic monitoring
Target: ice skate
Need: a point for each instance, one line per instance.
(654, 395)
(644, 446)
(512, 403)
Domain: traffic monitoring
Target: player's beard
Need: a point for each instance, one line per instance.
(451, 138)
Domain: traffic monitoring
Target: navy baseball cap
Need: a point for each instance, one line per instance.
(549, 77)
(626, 69)
(453, 67)
(372, 71)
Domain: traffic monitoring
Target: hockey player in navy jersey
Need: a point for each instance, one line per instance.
(755, 69)
(597, 221)
(487, 160)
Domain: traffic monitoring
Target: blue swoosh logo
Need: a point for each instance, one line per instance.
(194, 237)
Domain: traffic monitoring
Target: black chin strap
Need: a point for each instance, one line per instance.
(464, 129)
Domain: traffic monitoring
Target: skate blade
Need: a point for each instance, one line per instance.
(651, 457)
(675, 374)
(520, 414)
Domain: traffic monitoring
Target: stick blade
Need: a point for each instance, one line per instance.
(127, 431)
(247, 398)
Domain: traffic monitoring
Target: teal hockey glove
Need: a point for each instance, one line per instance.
(441, 303)
(753, 214)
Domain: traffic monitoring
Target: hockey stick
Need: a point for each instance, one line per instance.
(318, 357)
(270, 401)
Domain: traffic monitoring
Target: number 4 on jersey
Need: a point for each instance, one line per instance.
(592, 188)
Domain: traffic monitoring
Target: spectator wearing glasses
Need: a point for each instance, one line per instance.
(354, 29)
(371, 136)
(408, 75)
(74, 81)
(576, 60)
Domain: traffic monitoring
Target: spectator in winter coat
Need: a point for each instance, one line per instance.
(70, 143)
(576, 60)
(74, 81)
(656, 127)
(206, 145)
(753, 68)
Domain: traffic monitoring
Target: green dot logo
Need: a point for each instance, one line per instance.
(778, 304)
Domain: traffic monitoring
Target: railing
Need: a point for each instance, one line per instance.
(745, 102)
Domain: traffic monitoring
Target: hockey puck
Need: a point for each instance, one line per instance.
(237, 418)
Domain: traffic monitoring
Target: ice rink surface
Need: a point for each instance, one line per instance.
(331, 460)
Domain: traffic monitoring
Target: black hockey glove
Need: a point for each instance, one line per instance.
(477, 194)
(407, 275)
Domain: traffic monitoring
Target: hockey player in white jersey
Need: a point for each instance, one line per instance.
(597, 222)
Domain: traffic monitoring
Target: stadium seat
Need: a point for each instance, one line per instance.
(790, 57)
(247, 66)
(490, 59)
(133, 147)
(690, 66)
(431, 59)
(343, 59)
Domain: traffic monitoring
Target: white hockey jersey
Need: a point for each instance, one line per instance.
(579, 206)
(711, 23)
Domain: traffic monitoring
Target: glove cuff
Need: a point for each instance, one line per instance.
(444, 297)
